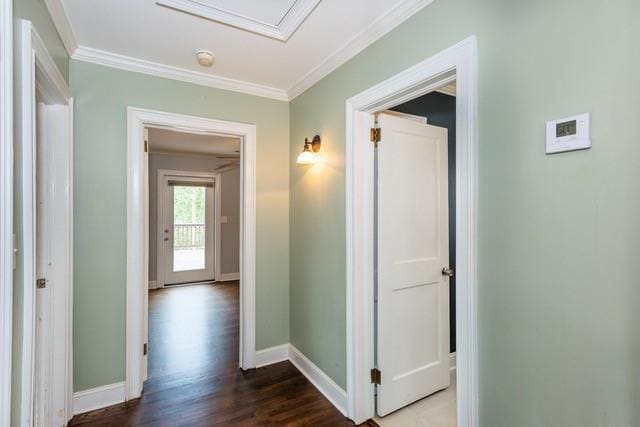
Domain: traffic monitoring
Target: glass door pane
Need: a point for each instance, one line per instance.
(189, 231)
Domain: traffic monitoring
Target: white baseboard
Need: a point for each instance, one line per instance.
(226, 277)
(332, 391)
(112, 394)
(153, 284)
(99, 397)
(272, 355)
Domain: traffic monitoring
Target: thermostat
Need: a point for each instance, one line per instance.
(570, 134)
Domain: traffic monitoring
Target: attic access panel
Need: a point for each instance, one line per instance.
(277, 19)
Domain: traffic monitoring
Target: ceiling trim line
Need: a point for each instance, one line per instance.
(128, 63)
(357, 44)
(63, 25)
(282, 31)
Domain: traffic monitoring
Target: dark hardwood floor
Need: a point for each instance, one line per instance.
(194, 379)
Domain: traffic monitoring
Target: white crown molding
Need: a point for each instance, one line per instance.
(110, 59)
(284, 29)
(62, 24)
(298, 12)
(358, 43)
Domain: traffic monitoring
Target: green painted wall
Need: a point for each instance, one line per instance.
(558, 287)
(101, 98)
(36, 12)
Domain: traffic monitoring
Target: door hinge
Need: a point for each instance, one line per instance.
(376, 376)
(144, 349)
(146, 146)
(375, 134)
(41, 283)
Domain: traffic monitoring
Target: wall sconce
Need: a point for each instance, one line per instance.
(308, 155)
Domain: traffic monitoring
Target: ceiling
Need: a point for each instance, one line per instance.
(272, 48)
(175, 142)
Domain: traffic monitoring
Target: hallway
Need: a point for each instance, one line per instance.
(194, 378)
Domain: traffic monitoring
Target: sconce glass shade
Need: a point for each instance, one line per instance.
(307, 157)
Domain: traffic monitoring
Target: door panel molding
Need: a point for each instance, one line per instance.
(138, 247)
(412, 249)
(458, 63)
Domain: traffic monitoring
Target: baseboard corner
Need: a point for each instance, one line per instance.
(332, 391)
(227, 277)
(271, 355)
(98, 397)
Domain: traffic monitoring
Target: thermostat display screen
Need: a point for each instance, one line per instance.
(569, 134)
(566, 129)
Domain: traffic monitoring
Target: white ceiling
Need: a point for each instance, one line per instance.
(143, 36)
(175, 142)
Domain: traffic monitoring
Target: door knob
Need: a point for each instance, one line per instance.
(447, 272)
(166, 239)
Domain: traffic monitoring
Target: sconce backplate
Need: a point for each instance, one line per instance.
(316, 143)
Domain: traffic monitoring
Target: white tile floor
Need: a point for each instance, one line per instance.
(437, 410)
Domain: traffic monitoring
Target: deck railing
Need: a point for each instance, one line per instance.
(188, 236)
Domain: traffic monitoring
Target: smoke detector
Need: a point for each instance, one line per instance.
(205, 58)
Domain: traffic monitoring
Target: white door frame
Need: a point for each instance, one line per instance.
(162, 173)
(6, 207)
(458, 62)
(39, 75)
(138, 244)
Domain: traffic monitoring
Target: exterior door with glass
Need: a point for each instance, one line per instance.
(188, 229)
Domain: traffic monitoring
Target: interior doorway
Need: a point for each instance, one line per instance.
(176, 183)
(44, 206)
(194, 212)
(457, 63)
(415, 259)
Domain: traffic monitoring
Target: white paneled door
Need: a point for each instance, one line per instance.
(188, 213)
(412, 312)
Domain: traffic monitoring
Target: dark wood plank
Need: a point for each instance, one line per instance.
(194, 379)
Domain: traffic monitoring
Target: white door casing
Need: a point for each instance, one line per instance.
(458, 62)
(6, 207)
(137, 238)
(48, 239)
(413, 248)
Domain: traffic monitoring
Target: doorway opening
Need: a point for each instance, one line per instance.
(380, 378)
(415, 260)
(191, 247)
(194, 208)
(194, 256)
